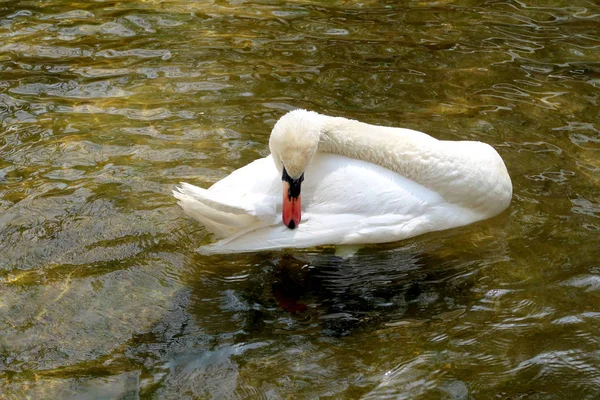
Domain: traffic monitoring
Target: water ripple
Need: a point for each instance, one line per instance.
(104, 107)
(71, 89)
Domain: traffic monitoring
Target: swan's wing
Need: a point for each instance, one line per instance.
(318, 230)
(348, 201)
(241, 201)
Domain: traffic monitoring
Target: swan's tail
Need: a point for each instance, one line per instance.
(217, 213)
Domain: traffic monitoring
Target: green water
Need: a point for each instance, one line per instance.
(105, 106)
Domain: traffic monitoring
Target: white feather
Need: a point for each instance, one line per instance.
(350, 201)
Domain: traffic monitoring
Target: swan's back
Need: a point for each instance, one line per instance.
(345, 201)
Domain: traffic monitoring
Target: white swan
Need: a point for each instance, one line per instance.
(363, 184)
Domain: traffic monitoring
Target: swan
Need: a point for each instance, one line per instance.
(333, 180)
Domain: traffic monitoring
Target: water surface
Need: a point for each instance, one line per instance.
(105, 106)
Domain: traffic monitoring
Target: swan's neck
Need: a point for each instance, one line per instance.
(470, 174)
(404, 151)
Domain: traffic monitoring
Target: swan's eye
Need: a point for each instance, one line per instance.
(285, 176)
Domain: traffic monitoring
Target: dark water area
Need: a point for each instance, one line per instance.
(105, 106)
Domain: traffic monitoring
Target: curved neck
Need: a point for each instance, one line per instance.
(410, 153)
(465, 173)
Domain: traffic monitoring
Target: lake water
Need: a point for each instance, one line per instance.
(106, 105)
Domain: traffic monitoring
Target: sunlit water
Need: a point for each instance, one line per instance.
(105, 106)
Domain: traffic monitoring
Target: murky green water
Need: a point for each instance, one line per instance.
(106, 105)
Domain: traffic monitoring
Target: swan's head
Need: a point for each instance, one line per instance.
(293, 143)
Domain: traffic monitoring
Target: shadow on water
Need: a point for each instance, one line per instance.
(319, 293)
(244, 318)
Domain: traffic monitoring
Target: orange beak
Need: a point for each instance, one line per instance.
(292, 203)
(292, 208)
